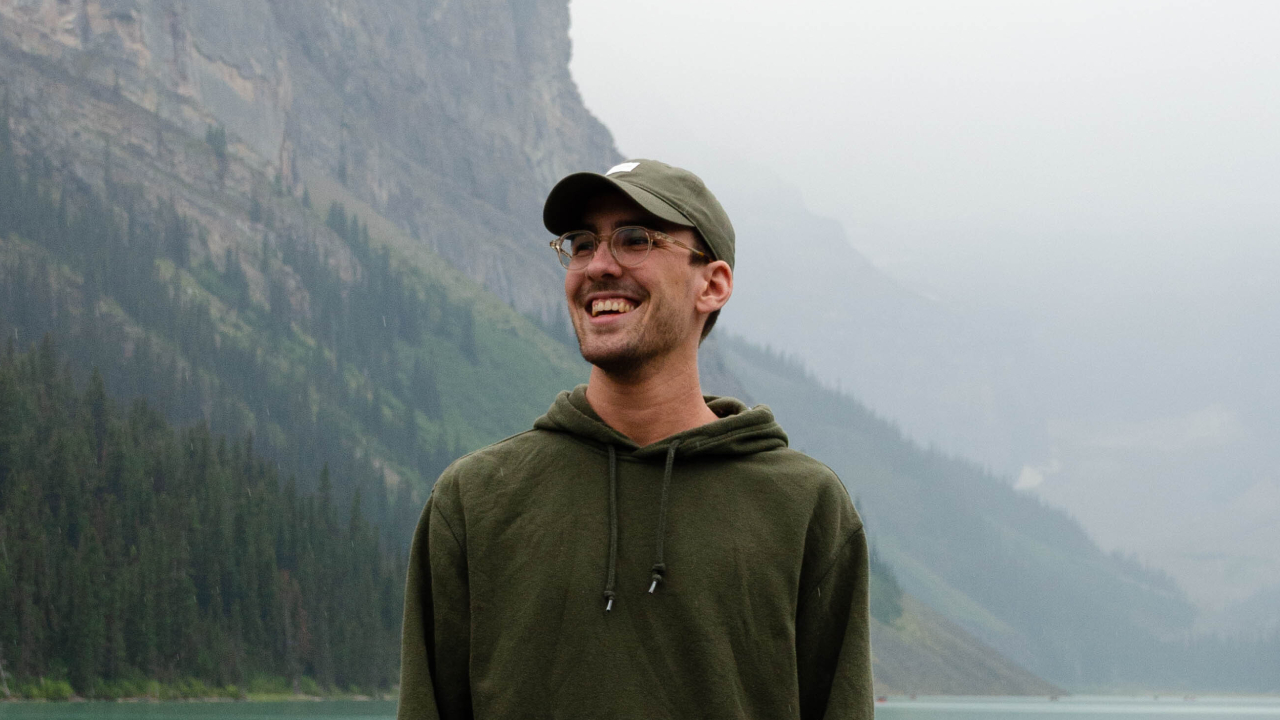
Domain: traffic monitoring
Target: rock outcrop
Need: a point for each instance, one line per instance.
(452, 119)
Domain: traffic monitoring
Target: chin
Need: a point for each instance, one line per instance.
(625, 352)
(615, 360)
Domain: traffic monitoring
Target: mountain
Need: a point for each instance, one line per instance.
(192, 266)
(1020, 576)
(318, 225)
(800, 285)
(452, 119)
(1114, 401)
(923, 653)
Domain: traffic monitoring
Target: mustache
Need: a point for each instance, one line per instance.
(608, 286)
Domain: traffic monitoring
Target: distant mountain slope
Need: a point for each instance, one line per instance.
(1091, 391)
(801, 285)
(1022, 577)
(924, 653)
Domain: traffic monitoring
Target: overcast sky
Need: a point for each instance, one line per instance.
(979, 147)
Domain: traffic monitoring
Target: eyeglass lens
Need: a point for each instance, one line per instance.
(629, 245)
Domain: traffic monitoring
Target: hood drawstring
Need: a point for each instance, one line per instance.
(613, 529)
(660, 568)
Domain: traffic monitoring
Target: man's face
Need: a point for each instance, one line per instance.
(626, 317)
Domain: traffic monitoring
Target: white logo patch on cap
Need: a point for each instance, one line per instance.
(622, 167)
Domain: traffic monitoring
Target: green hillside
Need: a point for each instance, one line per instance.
(924, 653)
(327, 342)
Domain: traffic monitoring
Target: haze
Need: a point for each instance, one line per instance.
(1092, 185)
(1037, 132)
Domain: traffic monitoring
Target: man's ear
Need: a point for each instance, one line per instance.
(717, 286)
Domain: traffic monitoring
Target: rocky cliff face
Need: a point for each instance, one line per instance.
(452, 119)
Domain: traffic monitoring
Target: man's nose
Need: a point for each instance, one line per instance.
(603, 263)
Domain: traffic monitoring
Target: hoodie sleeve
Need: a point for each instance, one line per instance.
(435, 640)
(833, 641)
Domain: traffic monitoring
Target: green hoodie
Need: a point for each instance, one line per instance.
(568, 573)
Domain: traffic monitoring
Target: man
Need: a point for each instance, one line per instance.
(643, 552)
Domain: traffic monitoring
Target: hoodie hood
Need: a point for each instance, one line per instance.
(739, 431)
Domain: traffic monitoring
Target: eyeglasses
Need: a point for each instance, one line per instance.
(629, 245)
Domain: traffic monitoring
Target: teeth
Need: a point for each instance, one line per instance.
(611, 305)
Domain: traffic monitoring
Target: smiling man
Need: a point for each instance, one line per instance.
(644, 551)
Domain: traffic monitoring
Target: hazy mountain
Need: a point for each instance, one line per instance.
(801, 287)
(997, 562)
(923, 652)
(1146, 417)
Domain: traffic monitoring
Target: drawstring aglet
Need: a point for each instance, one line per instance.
(608, 605)
(659, 570)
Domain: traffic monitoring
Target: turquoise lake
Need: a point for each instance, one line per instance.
(930, 708)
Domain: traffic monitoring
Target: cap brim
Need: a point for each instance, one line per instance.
(566, 202)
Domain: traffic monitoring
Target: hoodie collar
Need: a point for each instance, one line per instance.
(738, 431)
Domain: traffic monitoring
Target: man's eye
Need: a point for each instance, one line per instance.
(633, 239)
(581, 246)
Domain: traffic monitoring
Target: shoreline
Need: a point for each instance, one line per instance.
(252, 698)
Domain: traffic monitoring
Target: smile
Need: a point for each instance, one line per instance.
(611, 306)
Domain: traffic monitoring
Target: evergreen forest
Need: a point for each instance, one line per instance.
(318, 341)
(131, 551)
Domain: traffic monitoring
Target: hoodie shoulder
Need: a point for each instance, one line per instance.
(497, 455)
(814, 480)
(804, 469)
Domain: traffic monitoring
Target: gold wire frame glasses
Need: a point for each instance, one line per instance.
(629, 245)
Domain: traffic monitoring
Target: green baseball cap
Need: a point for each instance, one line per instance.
(673, 194)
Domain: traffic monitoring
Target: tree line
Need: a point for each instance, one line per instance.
(130, 549)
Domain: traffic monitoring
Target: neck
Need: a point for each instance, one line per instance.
(659, 400)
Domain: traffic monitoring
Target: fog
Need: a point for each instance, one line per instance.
(1029, 138)
(1085, 192)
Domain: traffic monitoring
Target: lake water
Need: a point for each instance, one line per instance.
(930, 708)
(1081, 707)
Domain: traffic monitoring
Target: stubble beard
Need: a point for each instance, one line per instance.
(626, 354)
